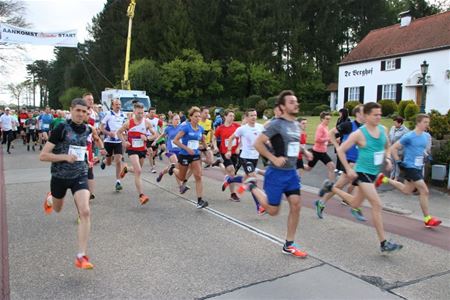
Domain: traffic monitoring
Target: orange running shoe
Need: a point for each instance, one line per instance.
(143, 199)
(83, 263)
(433, 222)
(381, 179)
(48, 203)
(293, 250)
(124, 171)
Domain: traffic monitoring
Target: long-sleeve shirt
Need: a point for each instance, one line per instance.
(321, 139)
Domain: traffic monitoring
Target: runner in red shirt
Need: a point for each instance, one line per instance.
(230, 158)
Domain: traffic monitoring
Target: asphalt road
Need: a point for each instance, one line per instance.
(167, 249)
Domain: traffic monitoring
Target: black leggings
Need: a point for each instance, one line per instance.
(8, 137)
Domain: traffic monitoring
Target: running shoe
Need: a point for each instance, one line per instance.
(390, 247)
(381, 179)
(433, 222)
(118, 186)
(357, 213)
(48, 203)
(33, 148)
(160, 156)
(247, 184)
(40, 147)
(294, 250)
(143, 199)
(225, 183)
(327, 185)
(202, 204)
(184, 189)
(234, 197)
(172, 166)
(28, 147)
(153, 171)
(160, 176)
(319, 208)
(261, 211)
(91, 197)
(102, 163)
(216, 163)
(124, 171)
(83, 263)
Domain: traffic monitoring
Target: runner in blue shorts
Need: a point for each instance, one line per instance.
(281, 176)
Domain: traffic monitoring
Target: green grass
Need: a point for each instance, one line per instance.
(313, 122)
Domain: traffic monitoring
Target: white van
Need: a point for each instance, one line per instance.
(127, 99)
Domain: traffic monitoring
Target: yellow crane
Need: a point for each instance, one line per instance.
(130, 13)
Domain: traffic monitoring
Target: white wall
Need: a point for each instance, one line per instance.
(438, 92)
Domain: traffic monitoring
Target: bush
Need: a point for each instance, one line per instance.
(251, 101)
(439, 126)
(238, 115)
(269, 113)
(335, 113)
(388, 107)
(411, 110)
(271, 101)
(318, 109)
(442, 156)
(261, 106)
(350, 105)
(402, 105)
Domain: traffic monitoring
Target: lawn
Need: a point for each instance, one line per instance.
(314, 121)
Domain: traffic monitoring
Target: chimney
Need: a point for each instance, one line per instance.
(405, 18)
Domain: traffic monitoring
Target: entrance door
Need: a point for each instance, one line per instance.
(419, 95)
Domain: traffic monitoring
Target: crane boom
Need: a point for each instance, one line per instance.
(130, 13)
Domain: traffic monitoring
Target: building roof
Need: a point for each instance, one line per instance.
(422, 35)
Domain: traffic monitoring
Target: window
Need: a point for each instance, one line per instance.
(391, 64)
(390, 91)
(353, 93)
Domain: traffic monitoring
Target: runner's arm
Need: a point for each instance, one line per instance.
(345, 146)
(121, 130)
(48, 155)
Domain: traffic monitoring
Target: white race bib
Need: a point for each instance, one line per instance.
(378, 158)
(45, 126)
(418, 161)
(78, 151)
(173, 145)
(32, 127)
(137, 143)
(96, 124)
(293, 149)
(227, 142)
(193, 144)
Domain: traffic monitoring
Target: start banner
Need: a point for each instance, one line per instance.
(17, 35)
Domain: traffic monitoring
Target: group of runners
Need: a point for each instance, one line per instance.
(362, 146)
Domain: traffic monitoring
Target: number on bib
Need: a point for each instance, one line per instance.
(193, 144)
(378, 158)
(137, 143)
(293, 149)
(78, 151)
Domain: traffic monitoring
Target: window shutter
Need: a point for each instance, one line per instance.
(383, 65)
(361, 94)
(379, 92)
(345, 95)
(398, 63)
(398, 94)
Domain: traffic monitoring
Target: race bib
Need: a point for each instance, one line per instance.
(137, 143)
(32, 127)
(78, 151)
(293, 149)
(418, 161)
(45, 126)
(96, 124)
(227, 142)
(173, 145)
(193, 144)
(378, 158)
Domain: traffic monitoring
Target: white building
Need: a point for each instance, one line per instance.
(386, 64)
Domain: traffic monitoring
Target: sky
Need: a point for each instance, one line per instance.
(46, 15)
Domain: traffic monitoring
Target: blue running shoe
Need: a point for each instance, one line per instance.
(326, 187)
(319, 208)
(390, 246)
(357, 213)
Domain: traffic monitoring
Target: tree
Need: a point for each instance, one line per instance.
(145, 75)
(70, 94)
(40, 70)
(16, 90)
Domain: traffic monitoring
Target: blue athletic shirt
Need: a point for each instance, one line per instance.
(414, 146)
(171, 132)
(191, 138)
(46, 121)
